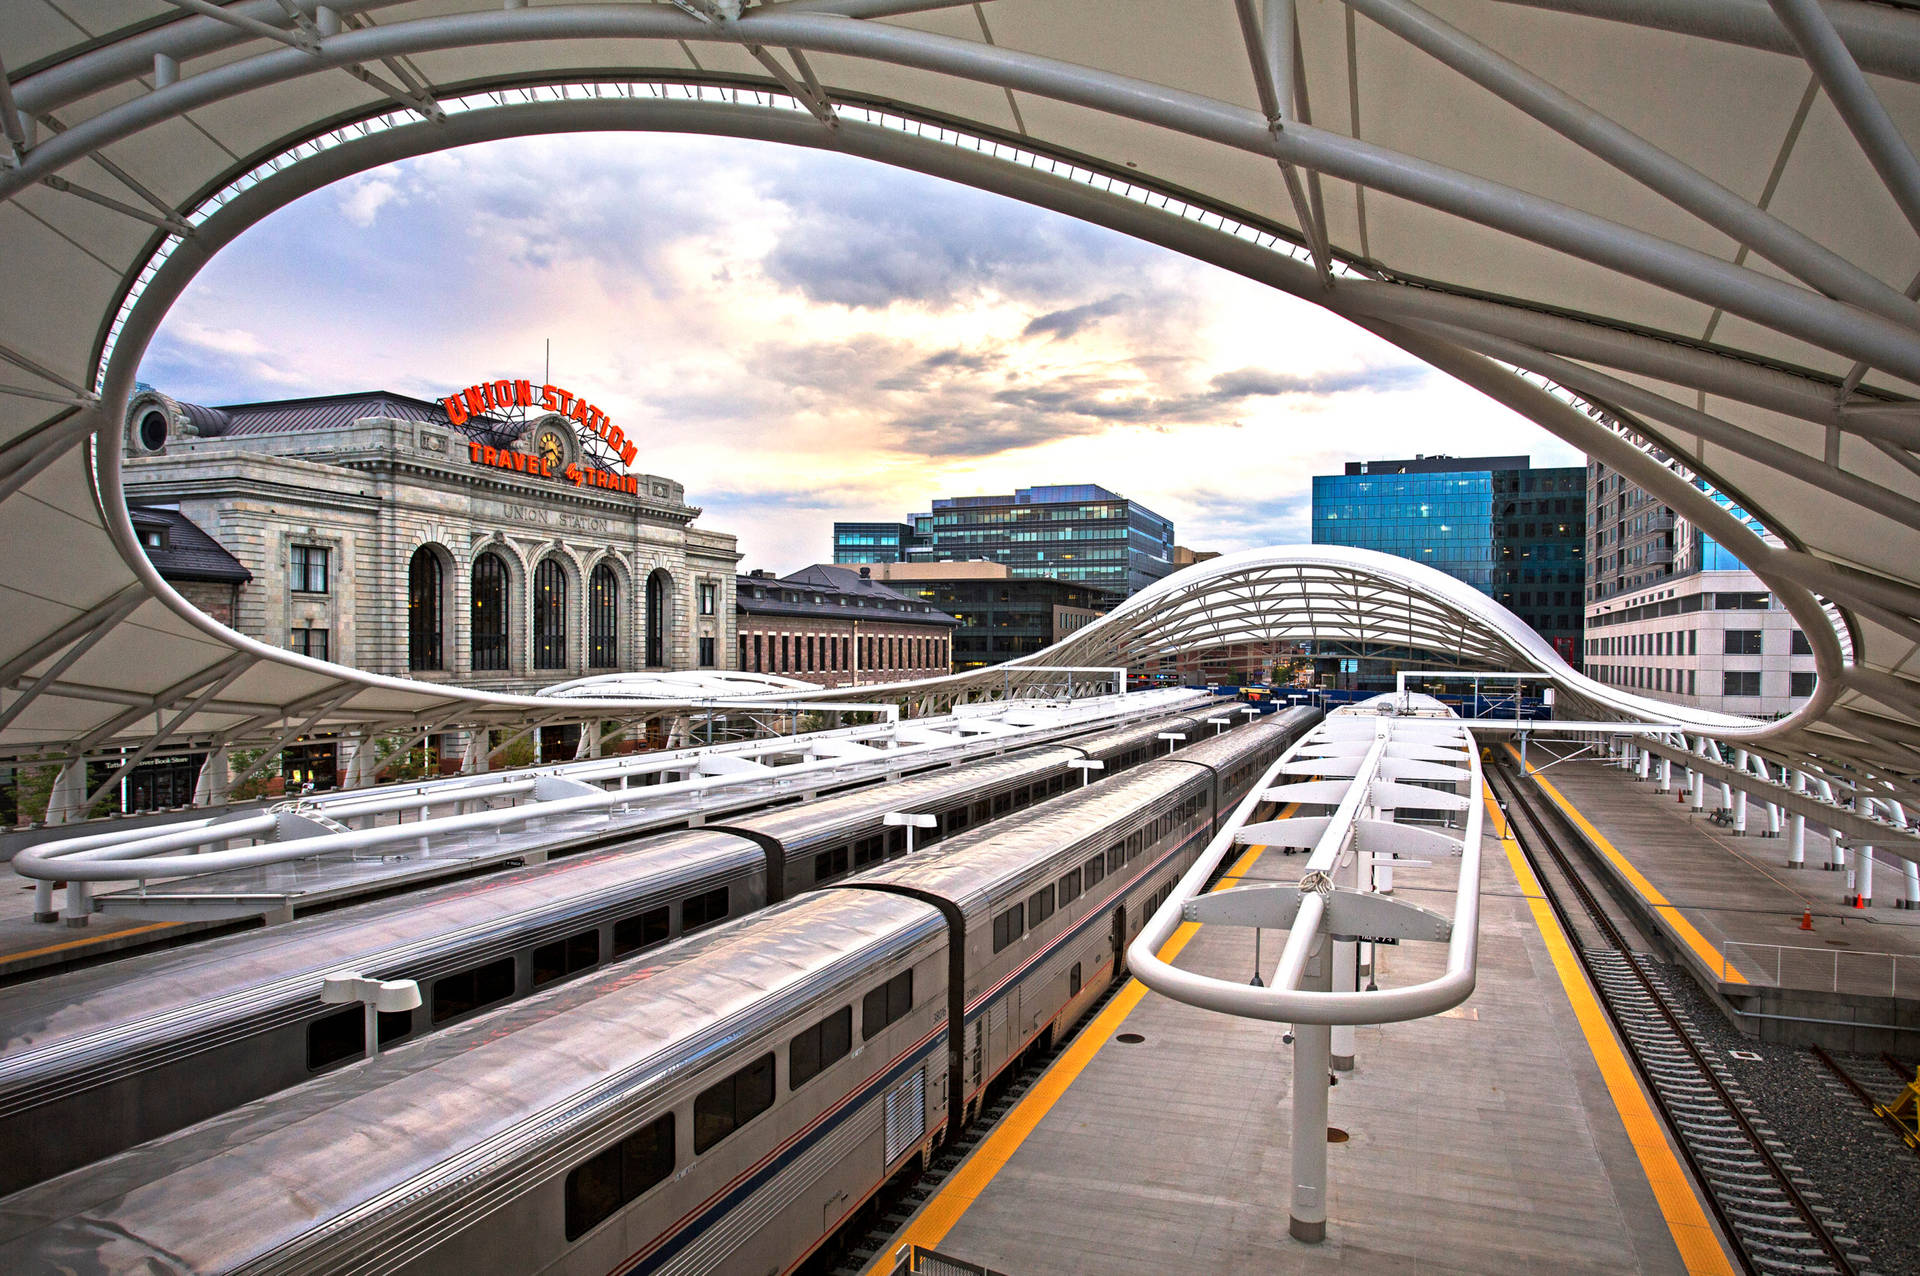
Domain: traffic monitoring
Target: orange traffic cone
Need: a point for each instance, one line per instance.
(1859, 901)
(1806, 920)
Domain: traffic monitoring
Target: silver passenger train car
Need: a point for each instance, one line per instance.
(99, 1059)
(723, 1106)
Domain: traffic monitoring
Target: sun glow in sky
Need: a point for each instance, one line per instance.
(801, 337)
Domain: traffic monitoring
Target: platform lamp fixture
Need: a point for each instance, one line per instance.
(378, 996)
(1086, 766)
(910, 822)
(1219, 724)
(1173, 739)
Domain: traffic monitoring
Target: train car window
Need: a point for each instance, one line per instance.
(619, 1174)
(1009, 926)
(1096, 869)
(1116, 856)
(830, 864)
(885, 1004)
(340, 1035)
(703, 909)
(819, 1047)
(565, 957)
(1040, 906)
(642, 930)
(869, 850)
(953, 821)
(1073, 980)
(1069, 887)
(469, 990)
(981, 811)
(1002, 803)
(721, 1109)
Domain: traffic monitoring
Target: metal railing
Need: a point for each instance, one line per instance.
(918, 1260)
(1827, 969)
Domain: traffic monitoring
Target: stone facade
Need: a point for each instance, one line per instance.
(375, 491)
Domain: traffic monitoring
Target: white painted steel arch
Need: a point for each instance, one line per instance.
(1678, 236)
(1336, 594)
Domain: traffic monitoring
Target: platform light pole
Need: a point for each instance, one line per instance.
(910, 822)
(378, 996)
(1085, 766)
(1172, 738)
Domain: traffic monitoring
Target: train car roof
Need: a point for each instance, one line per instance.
(973, 869)
(335, 1157)
(43, 1024)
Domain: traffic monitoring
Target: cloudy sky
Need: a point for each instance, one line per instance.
(804, 337)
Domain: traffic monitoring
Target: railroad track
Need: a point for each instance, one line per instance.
(1750, 1181)
(1874, 1087)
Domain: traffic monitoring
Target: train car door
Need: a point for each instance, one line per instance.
(1119, 943)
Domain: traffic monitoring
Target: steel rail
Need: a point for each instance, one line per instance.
(1541, 843)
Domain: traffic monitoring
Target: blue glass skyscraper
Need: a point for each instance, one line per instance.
(1511, 531)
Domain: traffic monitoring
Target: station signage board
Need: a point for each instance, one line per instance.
(548, 458)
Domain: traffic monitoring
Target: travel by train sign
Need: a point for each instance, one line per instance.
(550, 455)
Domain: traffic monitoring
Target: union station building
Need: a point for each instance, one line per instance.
(497, 539)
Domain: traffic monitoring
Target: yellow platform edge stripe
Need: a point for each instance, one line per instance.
(938, 1216)
(1686, 1219)
(1684, 929)
(89, 941)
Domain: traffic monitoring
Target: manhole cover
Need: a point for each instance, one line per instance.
(1336, 1135)
(1746, 1056)
(1129, 1038)
(1839, 943)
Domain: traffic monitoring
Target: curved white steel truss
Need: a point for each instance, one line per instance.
(1679, 237)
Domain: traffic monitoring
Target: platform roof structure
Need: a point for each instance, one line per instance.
(1679, 236)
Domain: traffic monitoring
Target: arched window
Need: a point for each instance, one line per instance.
(549, 615)
(489, 612)
(423, 610)
(657, 619)
(603, 619)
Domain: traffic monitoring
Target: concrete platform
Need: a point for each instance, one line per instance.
(1732, 907)
(1484, 1141)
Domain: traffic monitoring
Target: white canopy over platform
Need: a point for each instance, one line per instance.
(1679, 236)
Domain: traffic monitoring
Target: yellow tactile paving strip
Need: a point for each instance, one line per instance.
(1682, 928)
(938, 1216)
(1693, 1233)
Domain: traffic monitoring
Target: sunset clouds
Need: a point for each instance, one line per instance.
(801, 337)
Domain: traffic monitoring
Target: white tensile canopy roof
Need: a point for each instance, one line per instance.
(1678, 234)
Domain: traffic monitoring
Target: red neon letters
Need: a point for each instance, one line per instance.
(496, 396)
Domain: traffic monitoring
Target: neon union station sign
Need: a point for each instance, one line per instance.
(549, 457)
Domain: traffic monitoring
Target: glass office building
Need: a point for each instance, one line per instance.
(1515, 533)
(871, 542)
(1080, 533)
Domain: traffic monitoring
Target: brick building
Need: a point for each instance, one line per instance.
(838, 627)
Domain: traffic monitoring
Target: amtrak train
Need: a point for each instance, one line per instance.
(724, 1105)
(97, 1060)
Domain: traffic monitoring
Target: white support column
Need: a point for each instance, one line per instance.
(1863, 886)
(1346, 973)
(1646, 763)
(1910, 879)
(1666, 775)
(216, 776)
(43, 909)
(474, 760)
(1739, 812)
(69, 791)
(1797, 841)
(79, 904)
(1312, 1061)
